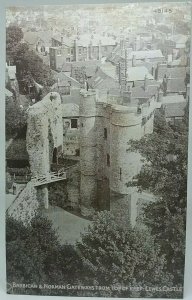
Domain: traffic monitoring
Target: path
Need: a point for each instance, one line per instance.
(68, 225)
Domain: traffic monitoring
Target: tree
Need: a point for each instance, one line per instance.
(29, 65)
(164, 174)
(115, 256)
(14, 35)
(15, 117)
(34, 255)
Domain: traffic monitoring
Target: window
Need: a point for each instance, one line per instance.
(68, 59)
(58, 52)
(108, 160)
(139, 109)
(73, 123)
(72, 52)
(105, 133)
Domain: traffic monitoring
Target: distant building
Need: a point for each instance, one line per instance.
(38, 40)
(83, 48)
(173, 107)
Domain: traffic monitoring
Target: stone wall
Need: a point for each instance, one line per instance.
(25, 205)
(44, 134)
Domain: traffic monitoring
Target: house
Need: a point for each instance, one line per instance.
(38, 40)
(173, 72)
(134, 58)
(65, 85)
(79, 48)
(173, 107)
(174, 44)
(109, 77)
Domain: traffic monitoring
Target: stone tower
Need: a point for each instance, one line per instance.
(88, 161)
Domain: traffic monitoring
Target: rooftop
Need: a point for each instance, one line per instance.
(175, 109)
(173, 99)
(146, 54)
(70, 110)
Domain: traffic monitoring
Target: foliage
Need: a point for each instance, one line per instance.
(14, 35)
(15, 117)
(34, 255)
(164, 174)
(29, 65)
(113, 255)
(108, 255)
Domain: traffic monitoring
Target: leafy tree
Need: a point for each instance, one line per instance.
(164, 174)
(34, 255)
(115, 256)
(15, 117)
(29, 65)
(14, 35)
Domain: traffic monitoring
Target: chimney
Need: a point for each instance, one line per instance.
(100, 54)
(76, 50)
(122, 46)
(90, 50)
(127, 95)
(161, 70)
(145, 82)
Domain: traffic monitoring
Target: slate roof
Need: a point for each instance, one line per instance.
(85, 39)
(139, 55)
(90, 66)
(148, 54)
(70, 110)
(173, 99)
(138, 73)
(173, 72)
(174, 109)
(176, 85)
(65, 79)
(32, 37)
(140, 92)
(180, 40)
(176, 72)
(66, 41)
